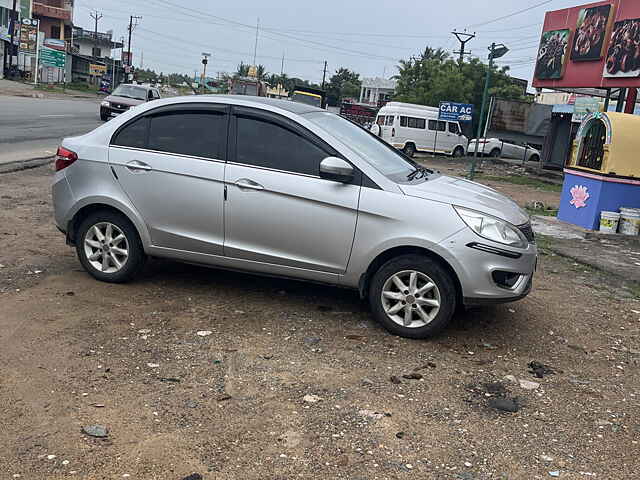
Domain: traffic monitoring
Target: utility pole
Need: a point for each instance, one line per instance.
(281, 82)
(96, 16)
(324, 74)
(131, 27)
(495, 51)
(255, 47)
(12, 33)
(463, 38)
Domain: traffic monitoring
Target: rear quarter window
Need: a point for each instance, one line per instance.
(133, 135)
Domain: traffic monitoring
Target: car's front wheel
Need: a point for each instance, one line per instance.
(409, 150)
(413, 296)
(109, 248)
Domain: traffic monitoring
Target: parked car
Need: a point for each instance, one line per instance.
(282, 188)
(416, 128)
(494, 147)
(124, 97)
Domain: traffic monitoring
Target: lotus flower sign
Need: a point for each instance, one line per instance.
(579, 196)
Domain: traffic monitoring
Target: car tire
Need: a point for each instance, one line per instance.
(424, 320)
(458, 152)
(534, 158)
(104, 116)
(495, 153)
(409, 150)
(92, 250)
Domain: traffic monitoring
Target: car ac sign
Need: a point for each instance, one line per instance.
(455, 112)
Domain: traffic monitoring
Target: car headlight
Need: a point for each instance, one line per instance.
(105, 104)
(492, 228)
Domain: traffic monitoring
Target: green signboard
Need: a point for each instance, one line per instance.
(52, 58)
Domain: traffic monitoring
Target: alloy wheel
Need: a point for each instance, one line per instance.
(411, 299)
(106, 247)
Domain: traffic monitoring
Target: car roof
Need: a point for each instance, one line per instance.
(288, 105)
(148, 87)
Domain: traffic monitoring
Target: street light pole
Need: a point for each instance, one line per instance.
(495, 51)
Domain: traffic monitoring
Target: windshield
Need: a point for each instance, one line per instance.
(131, 91)
(314, 100)
(386, 159)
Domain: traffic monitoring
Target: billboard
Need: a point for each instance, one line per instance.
(455, 112)
(602, 47)
(28, 35)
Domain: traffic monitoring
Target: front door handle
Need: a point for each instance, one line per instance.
(246, 184)
(136, 165)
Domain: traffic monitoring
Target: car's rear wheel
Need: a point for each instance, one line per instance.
(495, 153)
(109, 248)
(412, 296)
(458, 152)
(534, 158)
(409, 150)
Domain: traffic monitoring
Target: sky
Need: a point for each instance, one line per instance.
(368, 37)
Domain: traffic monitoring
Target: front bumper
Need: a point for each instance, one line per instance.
(478, 262)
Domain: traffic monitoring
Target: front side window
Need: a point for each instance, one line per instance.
(270, 145)
(380, 120)
(195, 133)
(389, 121)
(382, 156)
(133, 135)
(454, 128)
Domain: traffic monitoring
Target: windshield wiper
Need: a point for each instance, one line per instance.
(419, 172)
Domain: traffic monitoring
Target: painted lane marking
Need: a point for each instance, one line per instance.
(55, 116)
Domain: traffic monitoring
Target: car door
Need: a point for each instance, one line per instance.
(279, 211)
(170, 163)
(453, 135)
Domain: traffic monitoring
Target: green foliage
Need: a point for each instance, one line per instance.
(150, 76)
(345, 83)
(434, 76)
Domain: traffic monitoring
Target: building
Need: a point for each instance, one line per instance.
(22, 11)
(56, 17)
(85, 43)
(377, 91)
(87, 48)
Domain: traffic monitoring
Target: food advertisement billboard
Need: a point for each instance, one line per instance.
(590, 46)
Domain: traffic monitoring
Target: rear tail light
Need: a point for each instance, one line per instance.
(64, 158)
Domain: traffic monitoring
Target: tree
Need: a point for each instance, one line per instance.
(434, 76)
(345, 83)
(243, 70)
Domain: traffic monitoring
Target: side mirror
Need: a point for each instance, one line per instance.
(336, 169)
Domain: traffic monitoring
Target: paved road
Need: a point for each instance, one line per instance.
(33, 127)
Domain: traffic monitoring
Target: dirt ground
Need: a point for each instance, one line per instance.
(75, 352)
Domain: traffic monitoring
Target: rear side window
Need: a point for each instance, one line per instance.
(453, 128)
(442, 126)
(197, 134)
(133, 135)
(270, 145)
(403, 121)
(438, 125)
(416, 123)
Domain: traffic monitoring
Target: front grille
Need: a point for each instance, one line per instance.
(527, 231)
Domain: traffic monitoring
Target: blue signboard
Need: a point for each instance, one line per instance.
(455, 112)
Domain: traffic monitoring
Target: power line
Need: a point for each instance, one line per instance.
(463, 38)
(510, 14)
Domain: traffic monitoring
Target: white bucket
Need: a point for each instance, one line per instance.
(629, 221)
(609, 222)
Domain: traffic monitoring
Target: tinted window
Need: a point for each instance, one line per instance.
(453, 128)
(433, 124)
(133, 135)
(442, 126)
(403, 121)
(416, 123)
(269, 145)
(389, 121)
(198, 133)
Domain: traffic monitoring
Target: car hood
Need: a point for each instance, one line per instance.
(124, 100)
(464, 193)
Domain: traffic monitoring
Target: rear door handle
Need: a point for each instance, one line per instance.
(246, 184)
(136, 165)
